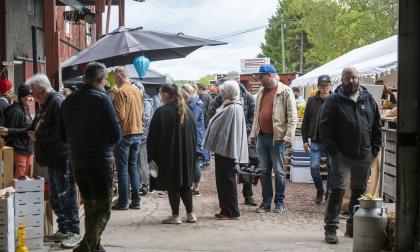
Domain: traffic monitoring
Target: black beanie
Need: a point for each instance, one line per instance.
(23, 91)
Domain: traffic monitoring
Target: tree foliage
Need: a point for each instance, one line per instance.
(328, 29)
(205, 80)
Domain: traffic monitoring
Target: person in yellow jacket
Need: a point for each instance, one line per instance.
(128, 106)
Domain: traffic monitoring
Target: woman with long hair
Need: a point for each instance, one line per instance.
(171, 146)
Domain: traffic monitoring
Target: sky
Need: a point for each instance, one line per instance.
(205, 19)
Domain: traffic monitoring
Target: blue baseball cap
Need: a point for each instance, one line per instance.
(266, 68)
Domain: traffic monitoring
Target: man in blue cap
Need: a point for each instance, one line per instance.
(273, 127)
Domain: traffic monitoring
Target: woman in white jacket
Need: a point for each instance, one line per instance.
(226, 137)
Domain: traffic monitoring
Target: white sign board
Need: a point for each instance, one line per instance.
(250, 66)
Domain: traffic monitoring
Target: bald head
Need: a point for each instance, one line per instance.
(350, 80)
(350, 76)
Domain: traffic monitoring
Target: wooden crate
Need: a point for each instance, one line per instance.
(7, 167)
(390, 186)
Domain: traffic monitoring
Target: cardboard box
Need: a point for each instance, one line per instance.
(6, 229)
(29, 209)
(31, 233)
(8, 244)
(6, 210)
(29, 220)
(6, 166)
(29, 197)
(29, 185)
(37, 243)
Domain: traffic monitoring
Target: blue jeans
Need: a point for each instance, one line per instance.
(316, 152)
(206, 155)
(62, 197)
(126, 153)
(271, 155)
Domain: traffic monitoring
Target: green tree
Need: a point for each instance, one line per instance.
(205, 80)
(327, 29)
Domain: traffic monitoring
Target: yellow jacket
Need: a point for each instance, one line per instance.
(129, 107)
(284, 114)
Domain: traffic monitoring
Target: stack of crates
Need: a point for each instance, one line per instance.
(29, 210)
(7, 232)
(300, 171)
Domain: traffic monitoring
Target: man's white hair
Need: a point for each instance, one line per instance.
(230, 90)
(40, 82)
(122, 71)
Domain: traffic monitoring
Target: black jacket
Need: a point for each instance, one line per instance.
(352, 128)
(206, 99)
(248, 102)
(173, 147)
(310, 123)
(18, 121)
(49, 150)
(4, 103)
(89, 125)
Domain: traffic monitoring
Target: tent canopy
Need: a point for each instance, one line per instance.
(152, 78)
(378, 58)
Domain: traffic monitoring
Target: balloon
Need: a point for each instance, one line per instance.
(141, 64)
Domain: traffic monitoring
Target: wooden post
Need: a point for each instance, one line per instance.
(51, 43)
(108, 16)
(98, 11)
(408, 130)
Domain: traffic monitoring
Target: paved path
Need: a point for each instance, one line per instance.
(299, 229)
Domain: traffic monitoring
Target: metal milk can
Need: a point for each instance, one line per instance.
(369, 226)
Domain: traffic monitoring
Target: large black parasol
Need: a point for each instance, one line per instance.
(121, 46)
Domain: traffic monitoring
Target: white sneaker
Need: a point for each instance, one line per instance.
(57, 237)
(71, 241)
(174, 219)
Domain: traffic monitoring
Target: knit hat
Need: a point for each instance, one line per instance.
(23, 91)
(5, 85)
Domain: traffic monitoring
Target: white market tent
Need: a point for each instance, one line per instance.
(371, 60)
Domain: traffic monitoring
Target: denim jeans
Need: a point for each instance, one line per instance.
(62, 197)
(126, 152)
(316, 152)
(197, 171)
(271, 155)
(206, 155)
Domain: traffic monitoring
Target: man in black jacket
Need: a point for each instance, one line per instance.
(89, 125)
(249, 106)
(351, 132)
(52, 153)
(310, 130)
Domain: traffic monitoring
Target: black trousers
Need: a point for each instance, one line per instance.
(226, 186)
(95, 186)
(247, 189)
(183, 193)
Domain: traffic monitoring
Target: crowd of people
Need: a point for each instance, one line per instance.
(165, 146)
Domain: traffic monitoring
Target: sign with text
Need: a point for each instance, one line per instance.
(249, 66)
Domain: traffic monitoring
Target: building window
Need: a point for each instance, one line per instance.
(30, 7)
(88, 33)
(67, 28)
